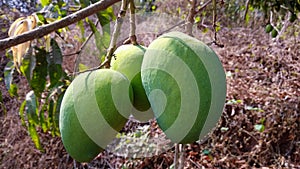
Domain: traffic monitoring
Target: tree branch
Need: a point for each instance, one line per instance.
(46, 29)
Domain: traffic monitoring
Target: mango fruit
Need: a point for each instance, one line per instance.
(128, 60)
(185, 83)
(94, 109)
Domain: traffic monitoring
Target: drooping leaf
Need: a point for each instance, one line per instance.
(43, 122)
(106, 16)
(82, 30)
(34, 136)
(54, 59)
(97, 35)
(51, 116)
(56, 113)
(28, 65)
(39, 74)
(22, 113)
(8, 79)
(13, 90)
(19, 27)
(32, 108)
(8, 74)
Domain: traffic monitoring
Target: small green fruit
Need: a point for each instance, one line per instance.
(274, 33)
(128, 60)
(269, 28)
(185, 84)
(93, 110)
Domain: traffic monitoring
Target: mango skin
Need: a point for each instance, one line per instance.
(128, 60)
(186, 86)
(94, 108)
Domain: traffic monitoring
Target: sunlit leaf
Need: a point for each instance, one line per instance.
(218, 26)
(82, 67)
(22, 112)
(13, 90)
(45, 2)
(34, 136)
(82, 30)
(197, 19)
(43, 122)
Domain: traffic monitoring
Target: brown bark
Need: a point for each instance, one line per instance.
(46, 29)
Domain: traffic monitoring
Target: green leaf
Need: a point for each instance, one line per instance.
(54, 59)
(8, 74)
(28, 65)
(32, 108)
(51, 116)
(21, 112)
(39, 74)
(97, 35)
(43, 122)
(45, 2)
(197, 19)
(84, 3)
(218, 26)
(259, 127)
(34, 136)
(81, 27)
(56, 114)
(82, 67)
(41, 18)
(8, 79)
(13, 90)
(106, 16)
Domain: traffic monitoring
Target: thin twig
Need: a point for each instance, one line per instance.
(181, 156)
(214, 19)
(247, 8)
(47, 29)
(132, 36)
(285, 25)
(176, 156)
(190, 19)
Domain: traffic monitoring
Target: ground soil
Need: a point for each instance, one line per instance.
(263, 87)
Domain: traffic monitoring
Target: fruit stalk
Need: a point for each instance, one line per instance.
(190, 18)
(132, 36)
(115, 34)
